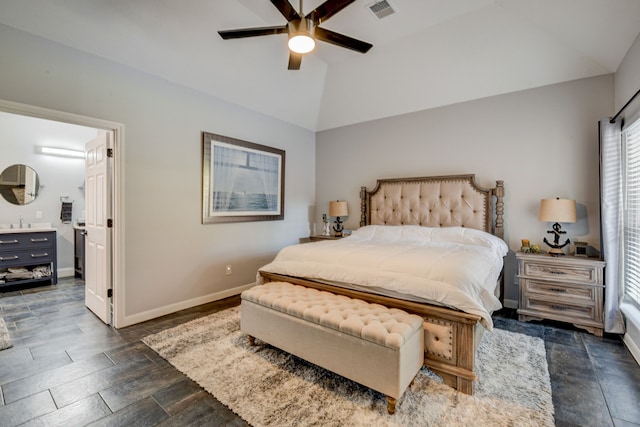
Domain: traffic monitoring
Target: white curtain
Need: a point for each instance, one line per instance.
(611, 221)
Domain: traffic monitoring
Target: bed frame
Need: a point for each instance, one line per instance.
(451, 336)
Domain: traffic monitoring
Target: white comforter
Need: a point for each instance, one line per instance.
(453, 266)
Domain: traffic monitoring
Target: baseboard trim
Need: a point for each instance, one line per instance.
(183, 305)
(66, 272)
(510, 303)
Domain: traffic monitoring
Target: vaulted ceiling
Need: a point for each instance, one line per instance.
(428, 53)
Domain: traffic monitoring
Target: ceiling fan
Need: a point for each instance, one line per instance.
(303, 31)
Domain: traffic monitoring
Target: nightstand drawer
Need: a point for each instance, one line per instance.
(559, 311)
(578, 293)
(561, 272)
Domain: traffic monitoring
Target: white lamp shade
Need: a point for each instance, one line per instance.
(557, 210)
(338, 208)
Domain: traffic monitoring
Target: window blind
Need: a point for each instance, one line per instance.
(631, 214)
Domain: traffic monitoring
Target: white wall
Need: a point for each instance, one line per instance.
(542, 142)
(59, 176)
(171, 258)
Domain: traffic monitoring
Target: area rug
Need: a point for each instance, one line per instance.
(5, 338)
(268, 387)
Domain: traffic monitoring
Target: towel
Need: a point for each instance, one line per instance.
(65, 212)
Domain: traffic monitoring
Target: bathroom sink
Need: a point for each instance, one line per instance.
(26, 227)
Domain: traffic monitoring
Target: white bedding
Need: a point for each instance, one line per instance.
(452, 266)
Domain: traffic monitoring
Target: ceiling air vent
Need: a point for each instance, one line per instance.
(381, 9)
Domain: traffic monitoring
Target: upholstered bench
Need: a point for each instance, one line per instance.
(381, 348)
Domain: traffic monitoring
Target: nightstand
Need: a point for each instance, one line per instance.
(566, 288)
(319, 237)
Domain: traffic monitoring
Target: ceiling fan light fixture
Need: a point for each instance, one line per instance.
(301, 43)
(301, 36)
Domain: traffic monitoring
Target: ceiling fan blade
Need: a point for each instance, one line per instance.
(252, 32)
(286, 9)
(327, 9)
(295, 59)
(342, 40)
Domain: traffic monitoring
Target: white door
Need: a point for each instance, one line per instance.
(98, 233)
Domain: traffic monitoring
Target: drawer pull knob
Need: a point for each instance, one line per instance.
(44, 239)
(557, 290)
(556, 272)
(558, 307)
(8, 258)
(39, 255)
(4, 242)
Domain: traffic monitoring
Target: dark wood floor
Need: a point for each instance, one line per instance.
(67, 368)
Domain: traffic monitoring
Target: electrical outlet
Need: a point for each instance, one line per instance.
(38, 214)
(228, 270)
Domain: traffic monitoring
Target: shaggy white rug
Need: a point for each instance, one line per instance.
(5, 338)
(267, 387)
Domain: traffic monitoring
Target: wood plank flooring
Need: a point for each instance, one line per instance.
(68, 368)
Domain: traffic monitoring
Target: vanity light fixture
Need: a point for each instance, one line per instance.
(63, 152)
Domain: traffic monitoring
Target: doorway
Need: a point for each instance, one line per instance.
(116, 265)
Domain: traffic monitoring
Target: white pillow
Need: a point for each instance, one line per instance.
(418, 234)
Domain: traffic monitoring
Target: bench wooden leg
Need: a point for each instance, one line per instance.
(391, 405)
(252, 340)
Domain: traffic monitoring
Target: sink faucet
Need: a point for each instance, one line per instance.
(21, 217)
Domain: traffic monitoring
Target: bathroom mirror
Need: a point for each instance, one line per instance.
(19, 184)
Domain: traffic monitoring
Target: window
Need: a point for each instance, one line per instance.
(631, 213)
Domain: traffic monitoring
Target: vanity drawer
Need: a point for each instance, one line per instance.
(19, 241)
(28, 257)
(28, 249)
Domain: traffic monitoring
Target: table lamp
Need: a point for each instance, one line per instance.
(557, 210)
(338, 208)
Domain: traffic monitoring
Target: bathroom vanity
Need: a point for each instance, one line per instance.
(30, 249)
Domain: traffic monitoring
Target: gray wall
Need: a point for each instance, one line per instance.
(172, 260)
(542, 142)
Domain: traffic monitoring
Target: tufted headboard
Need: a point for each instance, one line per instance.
(435, 201)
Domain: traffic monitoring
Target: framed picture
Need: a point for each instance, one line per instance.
(241, 181)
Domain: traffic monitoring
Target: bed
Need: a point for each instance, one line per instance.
(397, 217)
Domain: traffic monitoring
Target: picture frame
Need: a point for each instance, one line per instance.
(241, 181)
